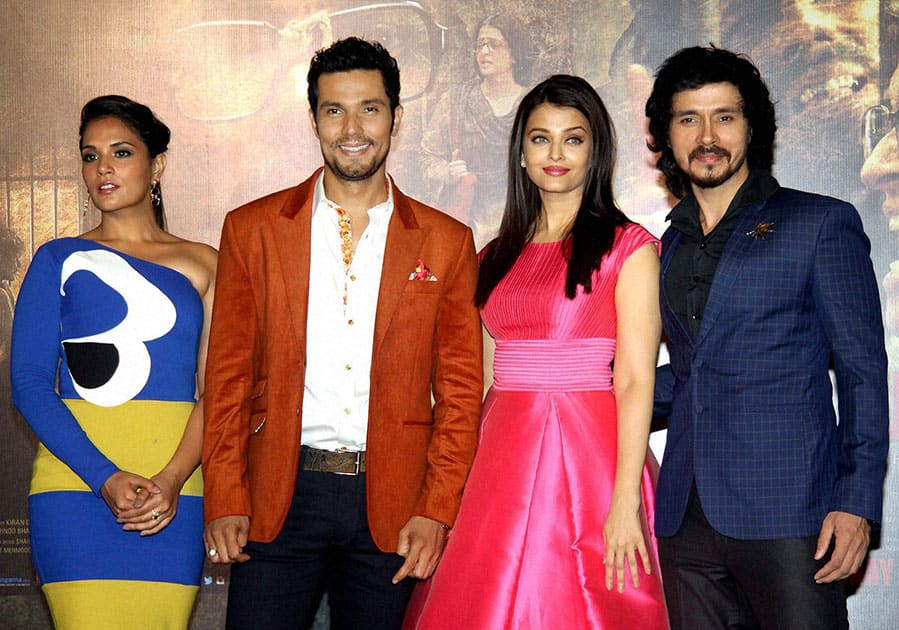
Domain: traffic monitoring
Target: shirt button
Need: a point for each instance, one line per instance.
(350, 322)
(702, 245)
(352, 278)
(348, 367)
(346, 411)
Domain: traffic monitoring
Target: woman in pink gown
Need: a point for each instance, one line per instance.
(555, 528)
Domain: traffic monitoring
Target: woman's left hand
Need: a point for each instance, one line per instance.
(157, 511)
(623, 534)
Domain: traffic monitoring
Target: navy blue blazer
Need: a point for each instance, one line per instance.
(752, 418)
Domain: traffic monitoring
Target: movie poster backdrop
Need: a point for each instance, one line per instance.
(229, 79)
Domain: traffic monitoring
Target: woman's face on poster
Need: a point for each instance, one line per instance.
(492, 51)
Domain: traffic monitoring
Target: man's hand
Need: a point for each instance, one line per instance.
(225, 539)
(852, 534)
(421, 543)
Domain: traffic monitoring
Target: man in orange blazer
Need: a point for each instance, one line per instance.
(343, 382)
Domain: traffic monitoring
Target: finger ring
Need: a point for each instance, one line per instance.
(154, 514)
(213, 553)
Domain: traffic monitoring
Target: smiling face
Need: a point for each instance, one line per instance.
(354, 123)
(116, 166)
(557, 148)
(709, 136)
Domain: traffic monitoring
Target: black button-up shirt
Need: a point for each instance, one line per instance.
(688, 279)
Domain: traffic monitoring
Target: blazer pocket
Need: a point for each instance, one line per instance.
(258, 407)
(424, 422)
(423, 287)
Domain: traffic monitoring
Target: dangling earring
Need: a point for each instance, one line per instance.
(155, 197)
(85, 206)
(523, 165)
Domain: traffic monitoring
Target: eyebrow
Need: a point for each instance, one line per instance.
(368, 101)
(569, 130)
(120, 143)
(727, 109)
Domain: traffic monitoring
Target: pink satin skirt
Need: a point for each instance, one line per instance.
(527, 549)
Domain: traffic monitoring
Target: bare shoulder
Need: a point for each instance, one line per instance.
(644, 260)
(195, 260)
(204, 254)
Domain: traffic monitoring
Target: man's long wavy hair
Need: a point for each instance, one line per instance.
(593, 231)
(691, 69)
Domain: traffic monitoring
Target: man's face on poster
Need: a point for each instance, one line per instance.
(236, 86)
(226, 69)
(881, 172)
(881, 167)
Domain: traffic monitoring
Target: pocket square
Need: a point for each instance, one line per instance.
(422, 273)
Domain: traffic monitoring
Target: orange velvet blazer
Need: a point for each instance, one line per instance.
(427, 340)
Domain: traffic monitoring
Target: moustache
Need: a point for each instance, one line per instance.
(710, 150)
(353, 140)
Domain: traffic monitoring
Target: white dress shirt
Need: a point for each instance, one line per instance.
(339, 338)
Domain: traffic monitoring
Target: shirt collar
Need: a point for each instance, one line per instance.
(759, 186)
(376, 212)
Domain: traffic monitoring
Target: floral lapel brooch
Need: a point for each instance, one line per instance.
(422, 273)
(761, 231)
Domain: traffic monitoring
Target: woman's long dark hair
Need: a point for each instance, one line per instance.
(142, 121)
(593, 231)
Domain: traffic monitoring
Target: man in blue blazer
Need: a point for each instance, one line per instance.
(765, 499)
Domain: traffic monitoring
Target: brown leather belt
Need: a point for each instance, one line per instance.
(344, 462)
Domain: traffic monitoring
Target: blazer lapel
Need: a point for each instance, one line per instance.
(401, 253)
(729, 267)
(292, 229)
(669, 244)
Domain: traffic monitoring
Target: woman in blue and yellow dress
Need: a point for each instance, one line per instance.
(108, 351)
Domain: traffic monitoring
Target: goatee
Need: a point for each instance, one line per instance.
(709, 178)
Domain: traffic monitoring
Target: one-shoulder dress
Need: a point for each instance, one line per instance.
(122, 335)
(526, 551)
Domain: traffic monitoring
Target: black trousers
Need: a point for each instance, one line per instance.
(716, 582)
(325, 547)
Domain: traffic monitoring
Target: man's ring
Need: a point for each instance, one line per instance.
(154, 514)
(213, 553)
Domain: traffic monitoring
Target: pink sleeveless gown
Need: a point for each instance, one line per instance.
(526, 551)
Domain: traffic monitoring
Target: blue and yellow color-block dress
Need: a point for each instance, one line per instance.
(122, 335)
